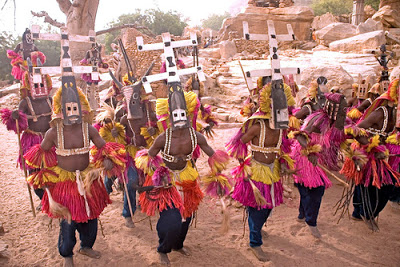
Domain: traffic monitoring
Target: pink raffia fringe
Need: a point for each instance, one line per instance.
(307, 174)
(235, 147)
(219, 186)
(160, 175)
(243, 193)
(10, 123)
(28, 140)
(218, 161)
(16, 62)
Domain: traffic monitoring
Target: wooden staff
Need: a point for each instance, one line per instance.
(21, 154)
(333, 175)
(127, 197)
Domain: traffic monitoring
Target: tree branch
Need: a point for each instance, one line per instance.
(64, 5)
(138, 27)
(48, 19)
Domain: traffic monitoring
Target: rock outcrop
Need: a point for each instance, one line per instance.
(389, 16)
(322, 21)
(358, 43)
(369, 25)
(300, 17)
(335, 74)
(335, 31)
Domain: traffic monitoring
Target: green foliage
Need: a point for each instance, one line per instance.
(214, 21)
(373, 3)
(156, 20)
(7, 42)
(336, 7)
(51, 50)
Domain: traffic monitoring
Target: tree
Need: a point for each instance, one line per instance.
(159, 21)
(81, 17)
(336, 7)
(214, 21)
(155, 20)
(7, 41)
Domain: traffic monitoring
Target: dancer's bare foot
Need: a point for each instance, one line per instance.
(315, 232)
(129, 223)
(164, 259)
(90, 253)
(259, 253)
(184, 251)
(68, 262)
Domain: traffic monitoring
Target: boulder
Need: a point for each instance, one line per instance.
(369, 25)
(335, 31)
(300, 17)
(335, 74)
(395, 73)
(210, 53)
(320, 22)
(370, 40)
(227, 49)
(394, 4)
(388, 16)
(369, 11)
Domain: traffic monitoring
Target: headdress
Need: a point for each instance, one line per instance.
(71, 105)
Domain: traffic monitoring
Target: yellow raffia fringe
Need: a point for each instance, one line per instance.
(262, 173)
(105, 133)
(288, 159)
(131, 150)
(393, 90)
(222, 180)
(293, 134)
(149, 138)
(312, 91)
(350, 131)
(294, 122)
(125, 79)
(265, 98)
(354, 114)
(392, 139)
(311, 149)
(46, 178)
(57, 101)
(187, 174)
(373, 142)
(64, 175)
(355, 154)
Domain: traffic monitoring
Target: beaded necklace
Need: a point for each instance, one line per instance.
(65, 152)
(168, 137)
(381, 132)
(261, 148)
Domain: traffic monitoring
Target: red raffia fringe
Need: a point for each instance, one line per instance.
(36, 157)
(10, 123)
(113, 151)
(66, 193)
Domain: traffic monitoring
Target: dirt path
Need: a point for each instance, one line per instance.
(288, 243)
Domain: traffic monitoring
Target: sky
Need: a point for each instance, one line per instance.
(111, 9)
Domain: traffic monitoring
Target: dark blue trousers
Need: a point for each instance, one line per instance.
(67, 240)
(310, 202)
(39, 192)
(171, 230)
(256, 220)
(132, 179)
(370, 201)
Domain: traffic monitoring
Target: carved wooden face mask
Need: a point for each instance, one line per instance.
(38, 87)
(134, 105)
(71, 105)
(177, 107)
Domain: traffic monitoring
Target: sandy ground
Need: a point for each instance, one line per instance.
(288, 243)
